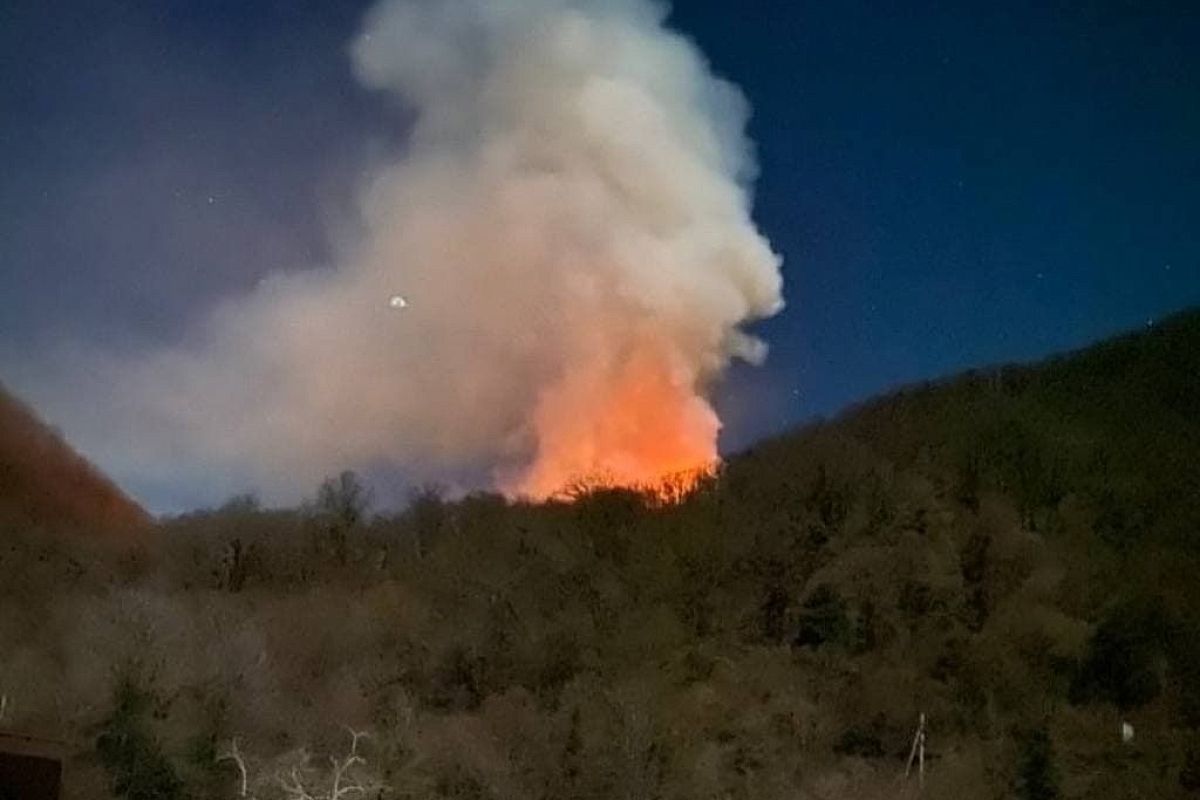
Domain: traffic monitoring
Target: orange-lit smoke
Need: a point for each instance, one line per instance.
(568, 224)
(633, 424)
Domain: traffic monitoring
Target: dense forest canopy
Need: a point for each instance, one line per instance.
(1011, 552)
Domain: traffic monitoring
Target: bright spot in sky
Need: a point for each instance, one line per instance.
(397, 301)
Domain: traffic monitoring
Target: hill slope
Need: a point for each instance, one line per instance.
(44, 481)
(1011, 552)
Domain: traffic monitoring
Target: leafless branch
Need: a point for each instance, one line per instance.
(338, 791)
(233, 755)
(296, 778)
(296, 789)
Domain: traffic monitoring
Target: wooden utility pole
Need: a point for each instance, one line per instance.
(918, 752)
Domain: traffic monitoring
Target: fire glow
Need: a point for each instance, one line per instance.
(639, 425)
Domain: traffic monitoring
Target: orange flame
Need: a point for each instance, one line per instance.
(639, 424)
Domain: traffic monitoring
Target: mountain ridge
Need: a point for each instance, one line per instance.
(44, 481)
(1011, 553)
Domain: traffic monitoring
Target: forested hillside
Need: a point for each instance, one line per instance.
(1012, 552)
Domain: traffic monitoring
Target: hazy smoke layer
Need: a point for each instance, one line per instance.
(569, 229)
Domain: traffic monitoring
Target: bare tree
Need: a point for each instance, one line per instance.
(346, 777)
(342, 505)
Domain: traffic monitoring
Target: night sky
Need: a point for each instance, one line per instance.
(948, 187)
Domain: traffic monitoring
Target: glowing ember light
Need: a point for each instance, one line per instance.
(666, 490)
(639, 425)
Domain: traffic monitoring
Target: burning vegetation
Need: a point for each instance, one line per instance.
(641, 427)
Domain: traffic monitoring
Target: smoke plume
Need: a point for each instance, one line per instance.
(568, 242)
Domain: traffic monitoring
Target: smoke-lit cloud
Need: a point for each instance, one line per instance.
(569, 224)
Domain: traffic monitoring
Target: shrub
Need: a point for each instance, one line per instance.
(1036, 775)
(829, 499)
(341, 506)
(773, 614)
(823, 619)
(428, 516)
(859, 742)
(1189, 775)
(561, 661)
(137, 767)
(458, 681)
(1125, 659)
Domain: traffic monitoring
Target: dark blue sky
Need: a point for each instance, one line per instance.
(948, 186)
(954, 187)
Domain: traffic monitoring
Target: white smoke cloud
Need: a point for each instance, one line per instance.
(573, 202)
